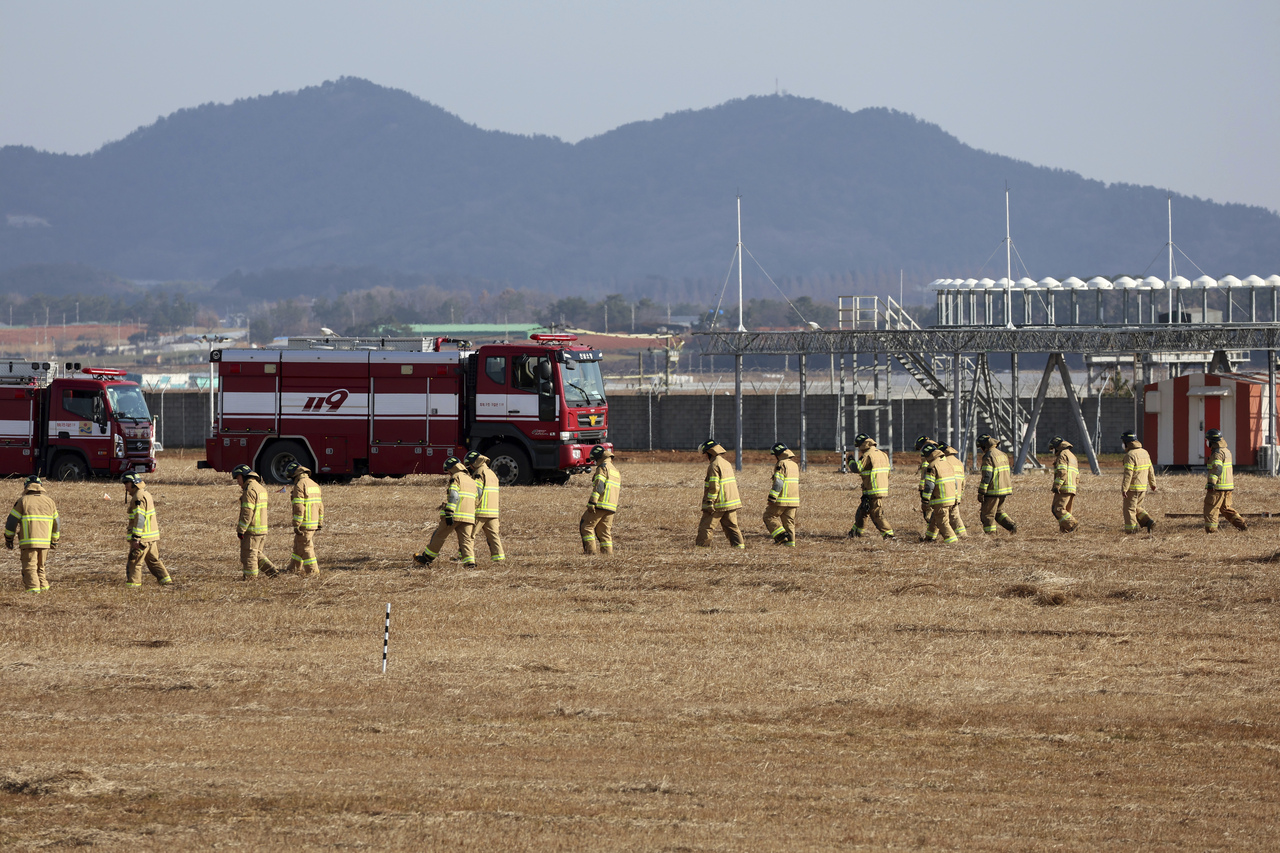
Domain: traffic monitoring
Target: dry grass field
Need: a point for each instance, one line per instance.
(1017, 692)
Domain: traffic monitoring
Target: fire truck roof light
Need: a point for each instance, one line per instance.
(104, 371)
(553, 338)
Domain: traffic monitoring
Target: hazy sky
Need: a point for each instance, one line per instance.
(1177, 94)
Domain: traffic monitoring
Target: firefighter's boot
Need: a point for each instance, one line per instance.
(1238, 524)
(422, 559)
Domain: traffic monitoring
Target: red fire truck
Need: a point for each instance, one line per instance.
(88, 422)
(345, 407)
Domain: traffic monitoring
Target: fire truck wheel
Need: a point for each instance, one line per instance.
(68, 466)
(278, 456)
(510, 464)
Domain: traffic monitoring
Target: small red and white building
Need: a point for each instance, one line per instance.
(1180, 410)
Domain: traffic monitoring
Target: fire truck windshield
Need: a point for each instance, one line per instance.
(127, 402)
(583, 384)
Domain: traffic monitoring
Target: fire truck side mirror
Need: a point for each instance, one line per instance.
(544, 370)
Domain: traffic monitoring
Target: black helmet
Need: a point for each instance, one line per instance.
(131, 479)
(1212, 436)
(861, 438)
(241, 471)
(927, 448)
(1055, 441)
(598, 452)
(707, 445)
(921, 441)
(1128, 437)
(292, 468)
(451, 461)
(470, 458)
(33, 480)
(778, 448)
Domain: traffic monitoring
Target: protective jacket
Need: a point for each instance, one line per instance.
(721, 486)
(996, 479)
(486, 488)
(308, 508)
(253, 507)
(1066, 472)
(606, 486)
(939, 480)
(1219, 469)
(1138, 474)
(873, 466)
(143, 526)
(785, 489)
(33, 519)
(952, 457)
(460, 498)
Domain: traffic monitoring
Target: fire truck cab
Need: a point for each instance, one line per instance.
(88, 422)
(345, 407)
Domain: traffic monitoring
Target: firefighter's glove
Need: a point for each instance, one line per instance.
(53, 543)
(982, 499)
(448, 519)
(319, 527)
(8, 542)
(864, 505)
(240, 534)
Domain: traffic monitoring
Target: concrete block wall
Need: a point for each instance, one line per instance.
(683, 421)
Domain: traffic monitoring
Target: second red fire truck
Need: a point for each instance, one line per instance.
(345, 407)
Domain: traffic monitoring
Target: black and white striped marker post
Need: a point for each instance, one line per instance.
(386, 638)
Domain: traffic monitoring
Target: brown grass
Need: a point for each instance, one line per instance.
(1008, 693)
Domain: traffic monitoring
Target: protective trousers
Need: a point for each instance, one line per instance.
(1134, 515)
(33, 569)
(993, 513)
(940, 522)
(1215, 502)
(466, 533)
(596, 529)
(489, 527)
(728, 519)
(780, 521)
(954, 519)
(303, 559)
(252, 560)
(149, 553)
(871, 507)
(1061, 509)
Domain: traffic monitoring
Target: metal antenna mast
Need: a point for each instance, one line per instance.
(1008, 259)
(741, 328)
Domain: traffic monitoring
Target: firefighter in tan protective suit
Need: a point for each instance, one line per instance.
(996, 485)
(34, 521)
(144, 535)
(952, 458)
(784, 497)
(457, 516)
(1220, 486)
(1066, 475)
(596, 525)
(873, 465)
(1138, 477)
(487, 503)
(251, 526)
(308, 519)
(940, 485)
(720, 499)
(925, 511)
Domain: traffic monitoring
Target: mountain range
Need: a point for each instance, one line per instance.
(355, 174)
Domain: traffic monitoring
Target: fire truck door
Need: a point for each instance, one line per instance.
(1198, 429)
(400, 410)
(17, 431)
(333, 455)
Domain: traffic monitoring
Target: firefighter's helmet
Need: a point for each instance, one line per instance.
(1213, 436)
(600, 452)
(131, 479)
(241, 471)
(1128, 438)
(33, 480)
(921, 441)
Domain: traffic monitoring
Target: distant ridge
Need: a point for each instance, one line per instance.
(356, 174)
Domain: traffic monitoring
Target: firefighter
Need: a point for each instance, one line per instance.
(251, 527)
(144, 534)
(925, 511)
(1066, 475)
(952, 457)
(996, 485)
(487, 505)
(457, 515)
(720, 500)
(34, 521)
(596, 525)
(1138, 476)
(784, 497)
(1218, 489)
(873, 466)
(939, 483)
(308, 519)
